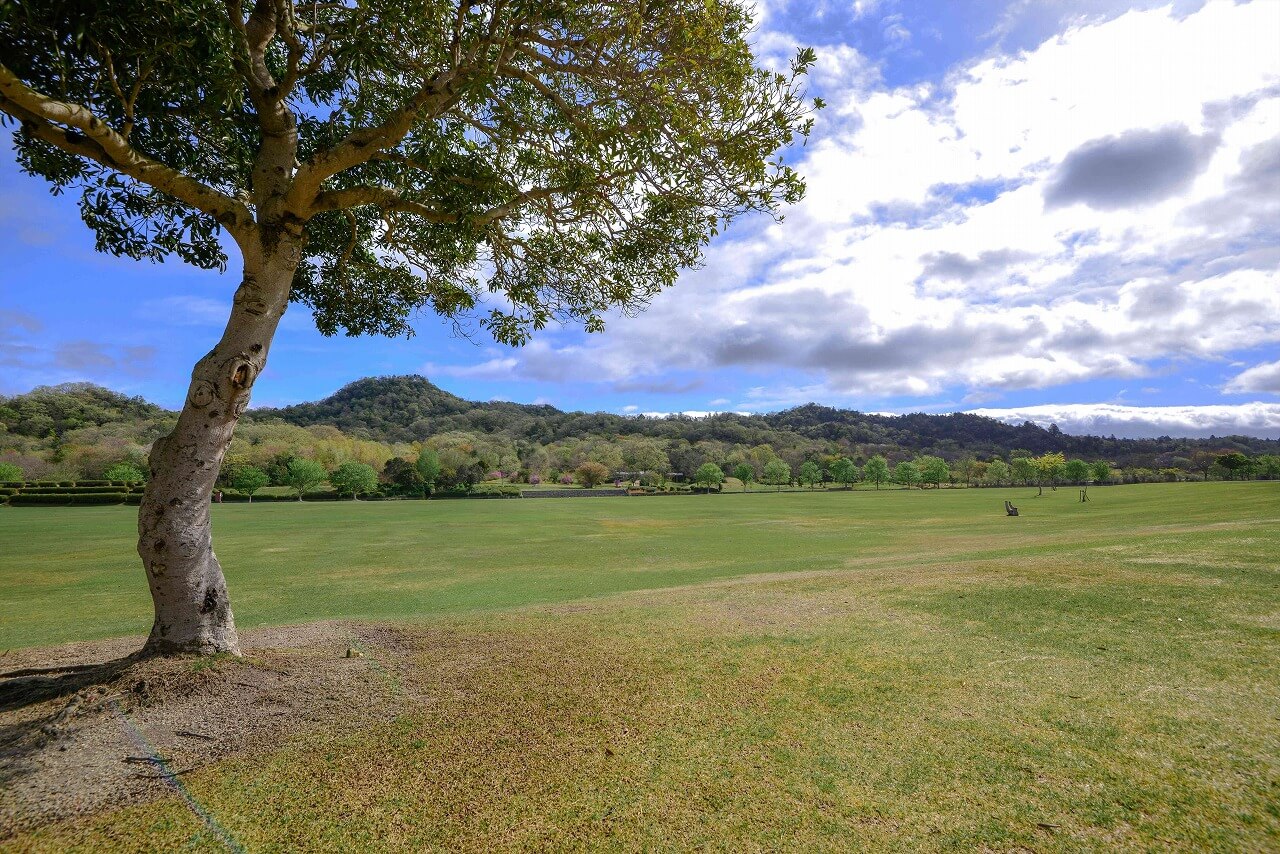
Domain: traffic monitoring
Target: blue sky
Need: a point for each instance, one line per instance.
(1063, 211)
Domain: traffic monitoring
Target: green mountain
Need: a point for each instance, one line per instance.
(411, 408)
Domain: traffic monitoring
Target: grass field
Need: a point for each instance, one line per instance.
(902, 670)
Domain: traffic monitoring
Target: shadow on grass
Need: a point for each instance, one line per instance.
(22, 739)
(21, 688)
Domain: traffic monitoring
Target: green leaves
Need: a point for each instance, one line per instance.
(570, 158)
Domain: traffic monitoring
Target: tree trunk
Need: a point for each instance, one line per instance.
(192, 611)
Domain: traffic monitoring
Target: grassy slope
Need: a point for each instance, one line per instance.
(905, 670)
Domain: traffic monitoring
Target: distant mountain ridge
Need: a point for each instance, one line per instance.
(412, 408)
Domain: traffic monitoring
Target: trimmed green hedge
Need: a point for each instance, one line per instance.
(495, 491)
(24, 499)
(72, 490)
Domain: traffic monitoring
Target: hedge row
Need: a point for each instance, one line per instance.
(25, 499)
(74, 490)
(47, 484)
(236, 498)
(495, 491)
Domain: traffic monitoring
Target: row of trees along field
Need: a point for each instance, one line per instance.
(306, 459)
(79, 431)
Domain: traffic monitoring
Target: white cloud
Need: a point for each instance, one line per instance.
(1104, 419)
(497, 368)
(1260, 378)
(690, 413)
(925, 256)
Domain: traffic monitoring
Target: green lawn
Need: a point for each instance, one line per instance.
(905, 670)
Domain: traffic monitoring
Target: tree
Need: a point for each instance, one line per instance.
(1049, 467)
(906, 474)
(809, 474)
(428, 466)
(373, 159)
(1024, 469)
(10, 472)
(249, 479)
(745, 474)
(1076, 471)
(353, 478)
(126, 472)
(876, 470)
(1268, 466)
(967, 470)
(933, 470)
(304, 474)
(844, 471)
(1203, 461)
(403, 476)
(708, 475)
(1100, 471)
(642, 454)
(777, 472)
(591, 474)
(997, 473)
(1235, 464)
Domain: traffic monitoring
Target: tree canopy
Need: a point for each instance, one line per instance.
(572, 156)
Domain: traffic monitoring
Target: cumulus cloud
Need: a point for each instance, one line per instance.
(1135, 168)
(1104, 419)
(937, 250)
(1264, 377)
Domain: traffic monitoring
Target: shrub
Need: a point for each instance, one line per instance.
(127, 472)
(591, 474)
(535, 479)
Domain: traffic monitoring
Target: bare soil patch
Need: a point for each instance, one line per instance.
(85, 726)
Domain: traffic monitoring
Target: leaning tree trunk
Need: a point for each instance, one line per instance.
(192, 611)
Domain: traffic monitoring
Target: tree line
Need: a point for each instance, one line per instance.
(80, 431)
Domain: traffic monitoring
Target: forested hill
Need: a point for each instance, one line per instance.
(411, 408)
(57, 410)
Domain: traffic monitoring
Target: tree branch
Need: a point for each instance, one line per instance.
(76, 130)
(360, 145)
(390, 200)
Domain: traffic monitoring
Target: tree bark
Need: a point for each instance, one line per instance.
(192, 610)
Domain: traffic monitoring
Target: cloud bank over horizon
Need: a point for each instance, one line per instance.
(1148, 422)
